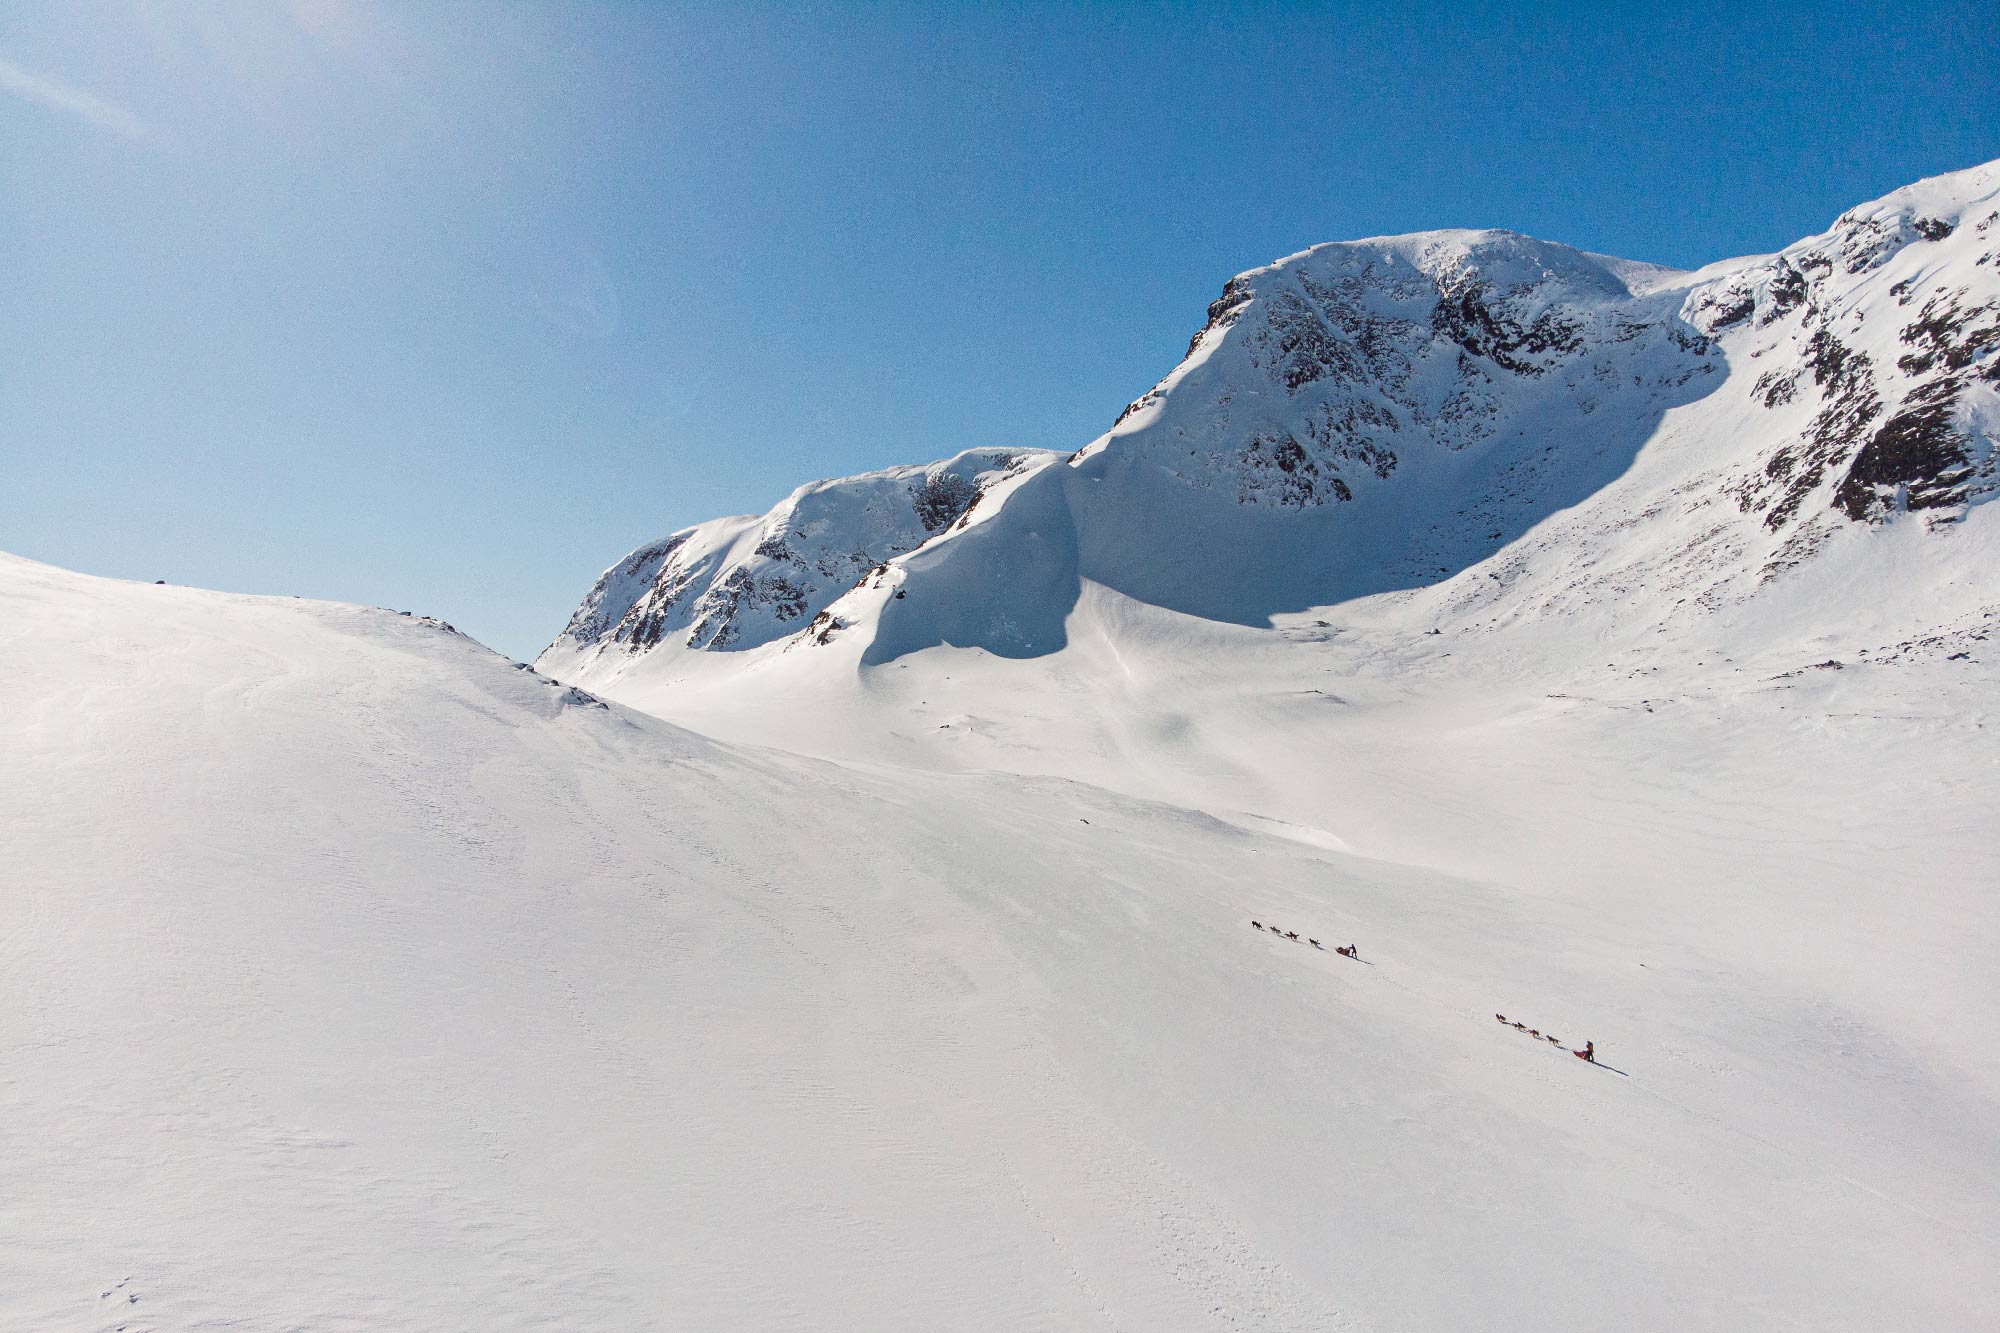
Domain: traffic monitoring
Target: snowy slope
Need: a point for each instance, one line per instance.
(351, 976)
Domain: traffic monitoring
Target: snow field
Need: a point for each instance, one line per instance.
(354, 979)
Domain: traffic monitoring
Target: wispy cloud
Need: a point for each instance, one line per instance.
(32, 87)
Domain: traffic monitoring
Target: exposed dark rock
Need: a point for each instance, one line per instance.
(1307, 349)
(1146, 399)
(1946, 334)
(1917, 460)
(1832, 363)
(1872, 242)
(1776, 386)
(1788, 292)
(1715, 311)
(1296, 482)
(941, 498)
(1692, 343)
(1829, 442)
(593, 620)
(1468, 319)
(1797, 469)
(823, 627)
(1224, 310)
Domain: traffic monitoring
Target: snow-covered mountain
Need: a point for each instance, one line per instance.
(742, 582)
(1536, 424)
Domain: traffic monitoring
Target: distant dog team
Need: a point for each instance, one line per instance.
(1588, 1051)
(1344, 950)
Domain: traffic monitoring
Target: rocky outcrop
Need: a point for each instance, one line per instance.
(1895, 425)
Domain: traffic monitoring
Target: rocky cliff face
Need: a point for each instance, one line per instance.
(1883, 329)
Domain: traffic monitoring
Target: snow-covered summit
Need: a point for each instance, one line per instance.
(1314, 377)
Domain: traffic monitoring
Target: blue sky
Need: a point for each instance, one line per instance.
(446, 308)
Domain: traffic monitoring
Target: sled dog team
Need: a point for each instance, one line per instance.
(1344, 950)
(1587, 1052)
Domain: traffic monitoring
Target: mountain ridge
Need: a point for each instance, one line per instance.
(1383, 415)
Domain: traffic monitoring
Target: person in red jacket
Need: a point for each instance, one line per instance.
(1589, 1052)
